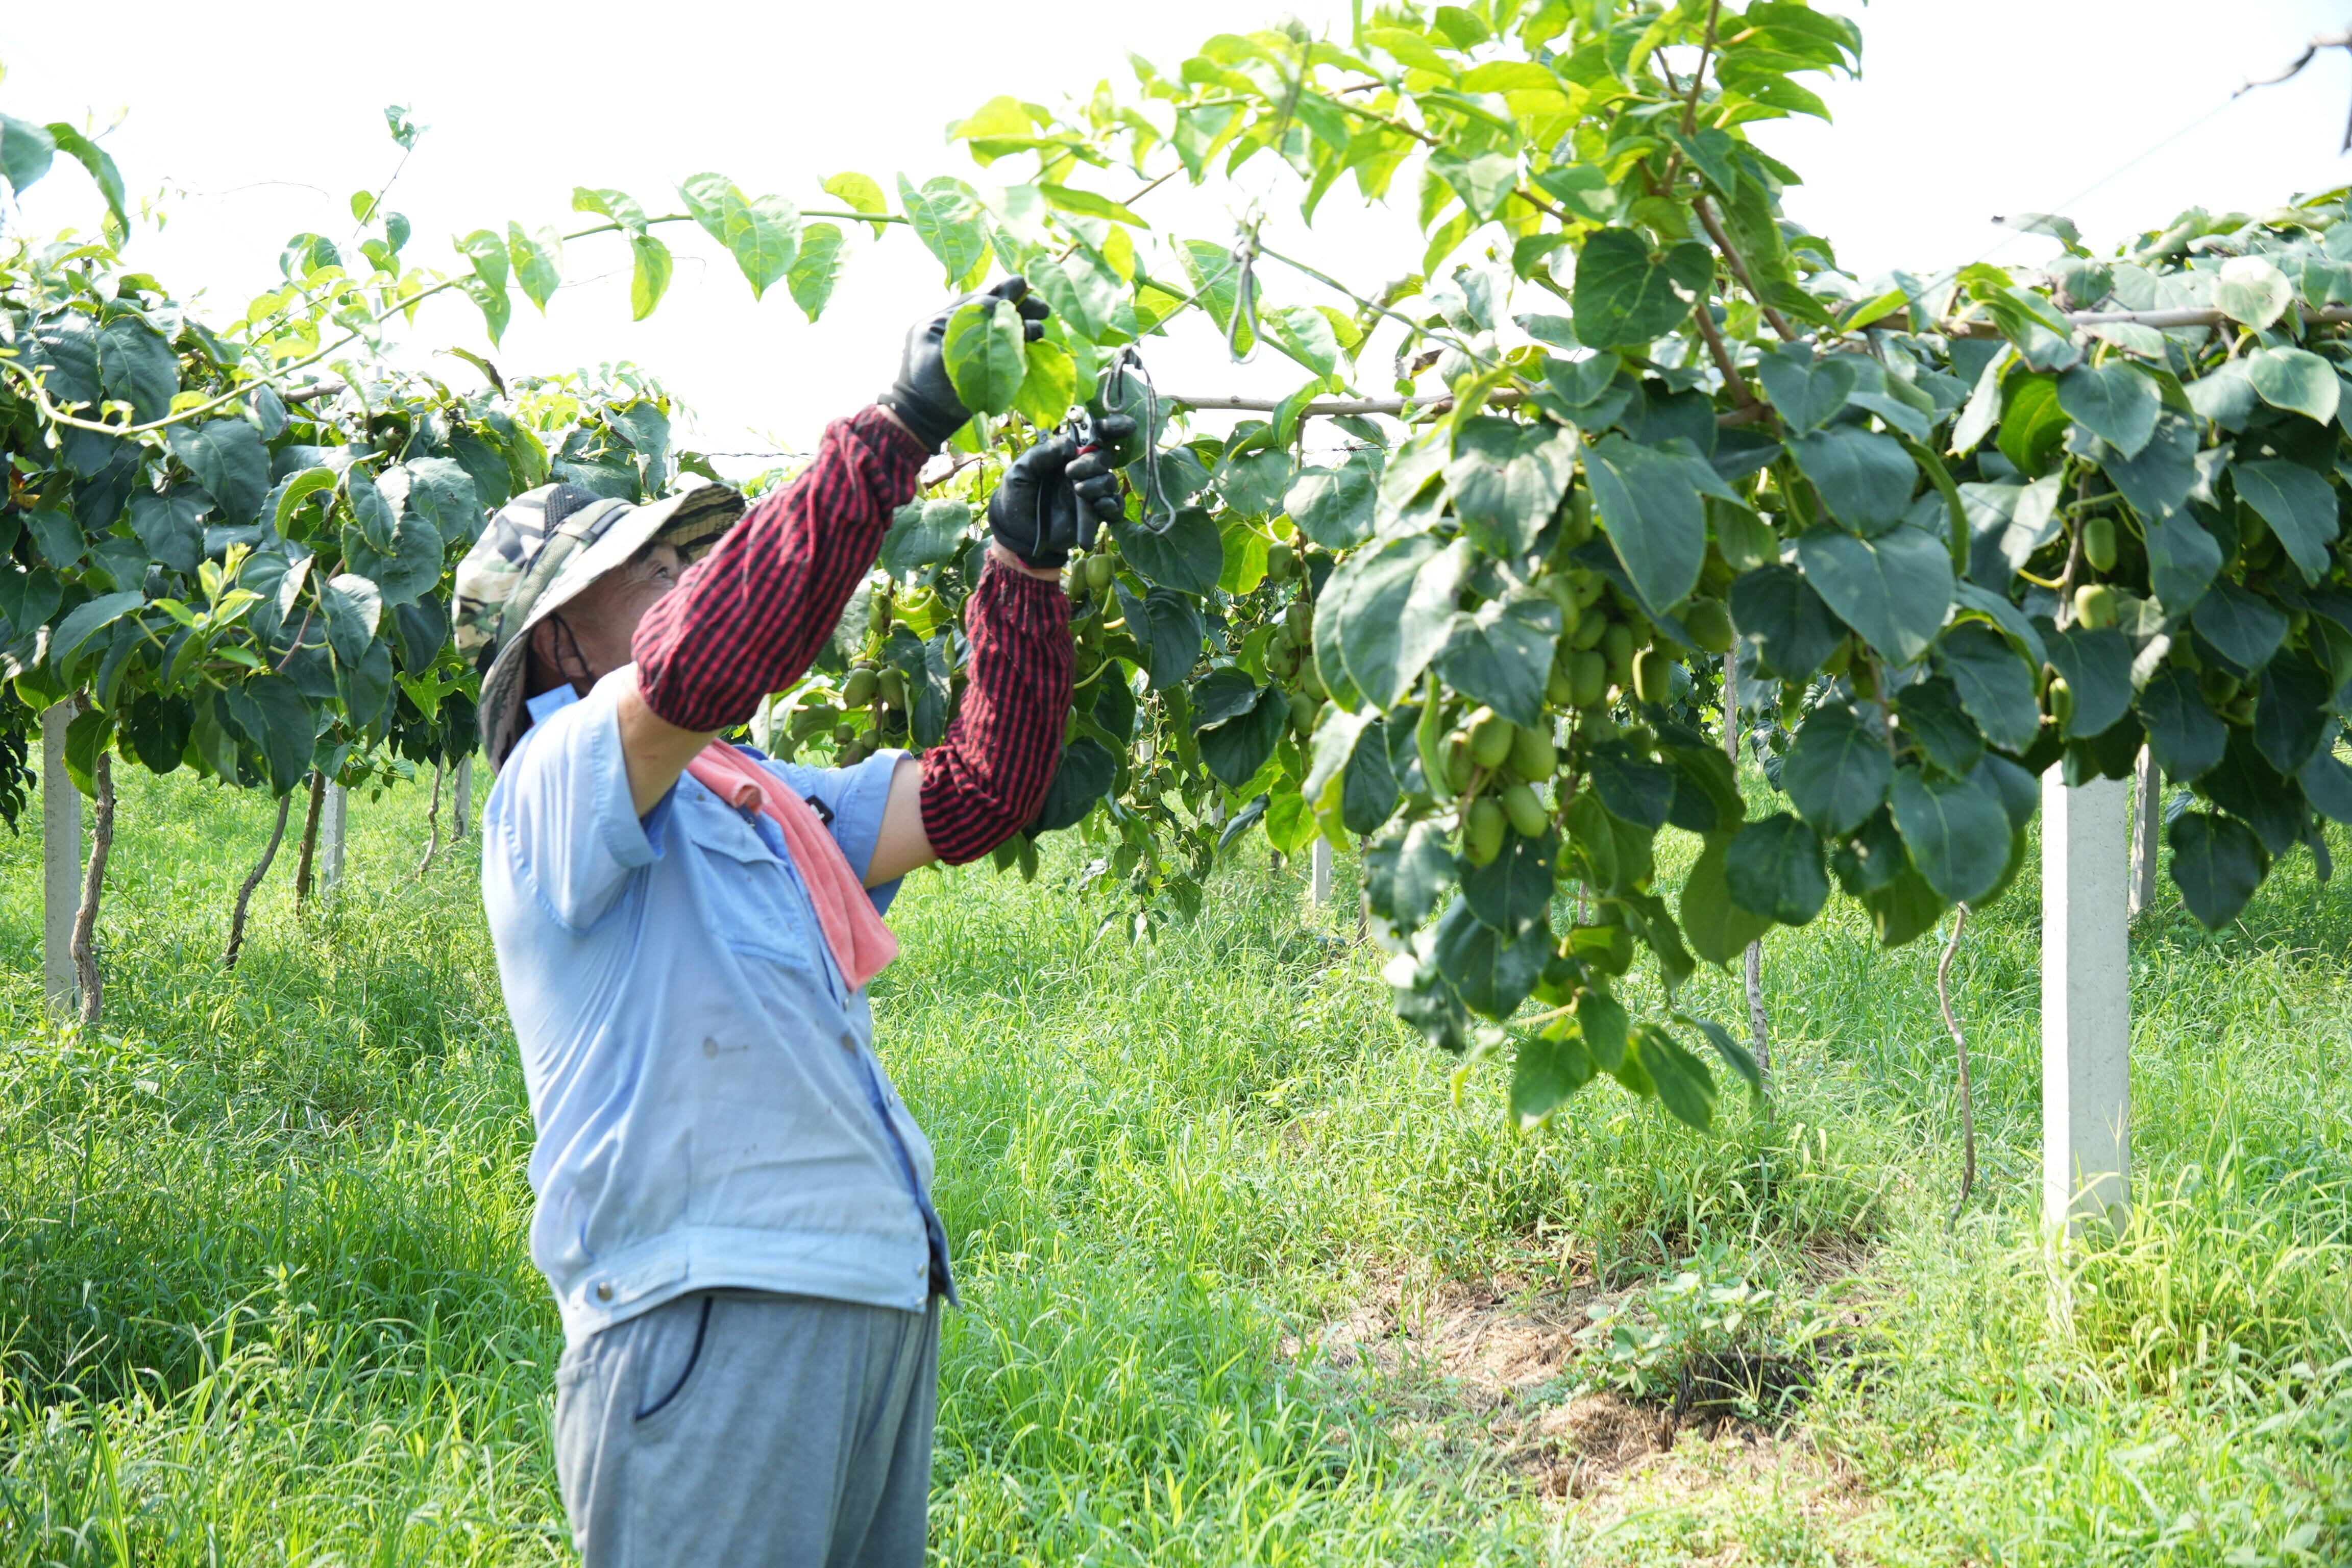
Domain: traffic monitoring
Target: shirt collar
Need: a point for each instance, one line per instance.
(550, 702)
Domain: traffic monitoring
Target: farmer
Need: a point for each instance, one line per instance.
(733, 1202)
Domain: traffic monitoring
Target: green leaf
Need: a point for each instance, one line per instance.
(2251, 291)
(136, 365)
(817, 268)
(1424, 869)
(924, 533)
(622, 209)
(1305, 335)
(1382, 617)
(946, 215)
(87, 620)
(1502, 655)
(2159, 479)
(353, 608)
(1369, 789)
(1837, 772)
(2327, 784)
(1508, 479)
(404, 573)
(1773, 869)
(1630, 788)
(2097, 666)
(2217, 863)
(1931, 715)
(1088, 204)
(443, 492)
(985, 355)
(1234, 748)
(2032, 424)
(1866, 479)
(1648, 501)
(1623, 297)
(487, 253)
(1483, 182)
(1083, 776)
(1957, 832)
(2291, 719)
(1996, 687)
(861, 193)
(649, 279)
(276, 717)
(1895, 589)
(1166, 627)
(171, 526)
(229, 460)
(1048, 385)
(1606, 1028)
(763, 236)
(2114, 402)
(2186, 735)
(1805, 391)
(1513, 891)
(1333, 506)
(1088, 298)
(1906, 909)
(2243, 628)
(1187, 558)
(1718, 928)
(1684, 1086)
(1490, 971)
(1779, 615)
(496, 308)
(1546, 1070)
(2182, 560)
(2295, 379)
(26, 151)
(538, 263)
(2298, 504)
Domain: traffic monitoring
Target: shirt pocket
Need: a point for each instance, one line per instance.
(758, 911)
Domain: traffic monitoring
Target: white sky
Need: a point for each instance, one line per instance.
(267, 118)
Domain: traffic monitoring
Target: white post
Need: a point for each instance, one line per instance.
(2147, 819)
(333, 816)
(60, 860)
(2086, 1002)
(462, 816)
(1318, 879)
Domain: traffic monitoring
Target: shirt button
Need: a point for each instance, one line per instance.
(709, 1047)
(604, 1291)
(923, 1268)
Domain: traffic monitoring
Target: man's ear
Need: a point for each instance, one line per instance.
(543, 672)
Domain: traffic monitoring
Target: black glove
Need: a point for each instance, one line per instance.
(1054, 497)
(924, 397)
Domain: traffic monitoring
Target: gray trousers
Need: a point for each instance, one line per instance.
(743, 1428)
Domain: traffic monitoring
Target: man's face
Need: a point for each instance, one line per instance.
(590, 635)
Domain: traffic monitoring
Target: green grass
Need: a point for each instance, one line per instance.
(265, 1294)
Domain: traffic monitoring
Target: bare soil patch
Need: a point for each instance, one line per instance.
(1482, 1373)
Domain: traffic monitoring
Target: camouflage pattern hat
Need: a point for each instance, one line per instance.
(541, 550)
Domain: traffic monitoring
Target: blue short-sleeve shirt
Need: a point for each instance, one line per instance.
(710, 1112)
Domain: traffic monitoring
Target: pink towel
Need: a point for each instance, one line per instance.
(861, 944)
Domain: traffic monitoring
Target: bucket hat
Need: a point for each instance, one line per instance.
(539, 552)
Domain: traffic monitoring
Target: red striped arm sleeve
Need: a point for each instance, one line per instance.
(749, 617)
(985, 780)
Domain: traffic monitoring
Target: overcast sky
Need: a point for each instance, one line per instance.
(257, 122)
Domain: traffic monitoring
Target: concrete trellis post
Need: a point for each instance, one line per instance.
(2146, 824)
(1319, 881)
(60, 862)
(332, 821)
(2085, 1001)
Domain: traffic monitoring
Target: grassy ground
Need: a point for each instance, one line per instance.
(1248, 1280)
